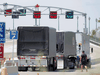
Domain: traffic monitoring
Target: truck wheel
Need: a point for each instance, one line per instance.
(24, 68)
(89, 64)
(72, 67)
(33, 68)
(54, 65)
(19, 68)
(51, 68)
(65, 63)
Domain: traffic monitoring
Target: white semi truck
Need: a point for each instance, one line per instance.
(83, 44)
(36, 48)
(69, 48)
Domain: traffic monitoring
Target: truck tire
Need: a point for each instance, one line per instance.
(33, 68)
(51, 68)
(72, 67)
(89, 64)
(19, 68)
(22, 68)
(25, 68)
(65, 63)
(54, 64)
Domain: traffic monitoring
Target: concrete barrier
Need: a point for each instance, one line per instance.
(96, 43)
(11, 70)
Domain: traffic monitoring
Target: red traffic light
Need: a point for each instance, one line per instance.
(37, 14)
(8, 12)
(53, 14)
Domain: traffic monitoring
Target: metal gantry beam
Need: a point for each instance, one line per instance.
(18, 6)
(30, 8)
(59, 8)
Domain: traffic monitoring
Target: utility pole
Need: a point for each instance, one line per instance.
(13, 45)
(96, 24)
(77, 24)
(89, 25)
(85, 25)
(39, 22)
(58, 23)
(35, 18)
(96, 28)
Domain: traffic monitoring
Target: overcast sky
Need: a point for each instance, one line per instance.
(91, 7)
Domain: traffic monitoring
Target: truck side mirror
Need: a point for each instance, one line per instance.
(91, 50)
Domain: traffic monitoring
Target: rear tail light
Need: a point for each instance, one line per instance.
(21, 58)
(61, 55)
(42, 58)
(58, 57)
(32, 58)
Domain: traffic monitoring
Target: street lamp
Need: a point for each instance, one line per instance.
(58, 23)
(96, 23)
(96, 28)
(77, 24)
(89, 25)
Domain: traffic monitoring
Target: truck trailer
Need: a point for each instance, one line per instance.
(83, 44)
(65, 49)
(36, 48)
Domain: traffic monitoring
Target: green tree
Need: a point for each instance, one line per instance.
(93, 32)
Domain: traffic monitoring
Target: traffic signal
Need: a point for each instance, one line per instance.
(37, 14)
(53, 14)
(69, 15)
(8, 12)
(15, 15)
(22, 12)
